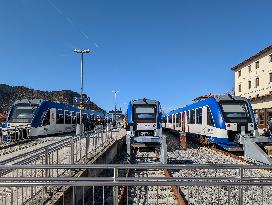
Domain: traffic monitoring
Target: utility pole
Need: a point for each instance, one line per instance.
(115, 95)
(81, 83)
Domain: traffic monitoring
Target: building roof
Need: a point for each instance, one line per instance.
(252, 57)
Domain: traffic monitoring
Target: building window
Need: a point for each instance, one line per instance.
(261, 117)
(270, 77)
(249, 84)
(257, 82)
(239, 88)
(249, 68)
(257, 63)
(239, 73)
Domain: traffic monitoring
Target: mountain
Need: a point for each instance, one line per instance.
(8, 94)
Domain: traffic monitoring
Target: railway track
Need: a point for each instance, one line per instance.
(149, 194)
(198, 154)
(31, 150)
(11, 153)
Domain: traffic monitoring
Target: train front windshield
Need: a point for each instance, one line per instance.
(145, 113)
(234, 111)
(23, 113)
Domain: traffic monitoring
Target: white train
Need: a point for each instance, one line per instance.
(217, 119)
(32, 118)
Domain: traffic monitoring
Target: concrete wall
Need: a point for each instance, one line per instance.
(108, 156)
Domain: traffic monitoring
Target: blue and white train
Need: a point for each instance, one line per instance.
(218, 119)
(144, 130)
(37, 117)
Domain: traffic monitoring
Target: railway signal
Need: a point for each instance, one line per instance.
(81, 106)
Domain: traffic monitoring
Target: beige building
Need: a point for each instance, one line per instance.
(253, 80)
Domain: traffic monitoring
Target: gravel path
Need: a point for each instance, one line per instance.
(195, 154)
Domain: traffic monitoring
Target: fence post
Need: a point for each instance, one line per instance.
(95, 140)
(72, 151)
(115, 188)
(102, 137)
(46, 160)
(87, 146)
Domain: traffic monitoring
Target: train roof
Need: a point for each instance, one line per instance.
(144, 101)
(29, 101)
(57, 105)
(207, 101)
(228, 97)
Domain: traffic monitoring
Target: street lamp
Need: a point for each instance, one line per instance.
(115, 93)
(81, 80)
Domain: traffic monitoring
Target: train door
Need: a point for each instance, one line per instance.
(208, 122)
(53, 116)
(204, 120)
(53, 119)
(178, 121)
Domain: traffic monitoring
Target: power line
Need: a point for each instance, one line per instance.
(68, 19)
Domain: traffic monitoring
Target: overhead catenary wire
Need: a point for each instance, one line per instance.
(72, 23)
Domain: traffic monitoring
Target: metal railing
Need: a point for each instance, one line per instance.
(222, 184)
(69, 150)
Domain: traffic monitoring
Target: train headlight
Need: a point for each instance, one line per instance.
(228, 125)
(154, 125)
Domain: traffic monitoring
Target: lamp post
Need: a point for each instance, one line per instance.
(81, 82)
(115, 95)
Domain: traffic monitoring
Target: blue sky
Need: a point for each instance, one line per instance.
(168, 50)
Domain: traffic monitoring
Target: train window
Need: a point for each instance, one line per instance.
(209, 118)
(60, 117)
(192, 117)
(46, 118)
(78, 117)
(188, 116)
(199, 116)
(170, 119)
(73, 118)
(67, 117)
(84, 119)
(178, 120)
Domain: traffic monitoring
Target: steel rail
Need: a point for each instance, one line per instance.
(134, 183)
(17, 179)
(137, 166)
